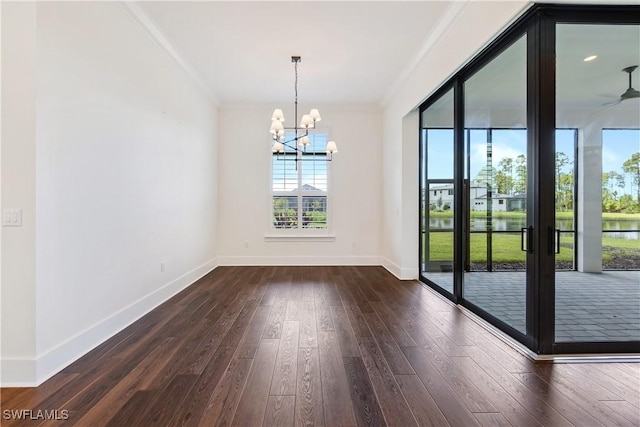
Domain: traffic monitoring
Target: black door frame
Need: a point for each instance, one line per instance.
(539, 24)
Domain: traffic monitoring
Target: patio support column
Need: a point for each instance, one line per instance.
(590, 199)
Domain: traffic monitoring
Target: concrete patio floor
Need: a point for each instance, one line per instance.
(589, 306)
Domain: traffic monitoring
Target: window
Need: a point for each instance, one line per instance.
(299, 186)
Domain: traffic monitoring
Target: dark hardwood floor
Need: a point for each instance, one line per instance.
(332, 346)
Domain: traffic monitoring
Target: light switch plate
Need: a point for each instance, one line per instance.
(12, 217)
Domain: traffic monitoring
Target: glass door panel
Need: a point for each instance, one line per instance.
(565, 171)
(496, 187)
(596, 67)
(437, 193)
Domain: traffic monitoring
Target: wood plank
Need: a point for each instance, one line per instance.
(424, 408)
(357, 320)
(630, 381)
(446, 399)
(238, 328)
(489, 419)
(195, 402)
(269, 297)
(625, 410)
(31, 397)
(280, 411)
(117, 397)
(227, 330)
(515, 413)
(573, 377)
(395, 357)
(222, 405)
(293, 310)
(307, 291)
(273, 328)
(286, 367)
(133, 413)
(344, 332)
(253, 401)
(534, 404)
(338, 410)
(168, 400)
(561, 403)
(361, 299)
(455, 375)
(392, 323)
(625, 386)
(365, 403)
(323, 313)
(249, 343)
(308, 328)
(308, 410)
(191, 362)
(390, 397)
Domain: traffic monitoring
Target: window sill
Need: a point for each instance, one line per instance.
(298, 238)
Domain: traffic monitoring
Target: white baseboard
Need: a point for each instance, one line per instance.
(18, 372)
(31, 373)
(399, 272)
(298, 260)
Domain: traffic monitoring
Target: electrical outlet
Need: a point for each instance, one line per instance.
(12, 217)
(162, 267)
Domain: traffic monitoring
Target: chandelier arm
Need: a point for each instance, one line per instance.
(296, 97)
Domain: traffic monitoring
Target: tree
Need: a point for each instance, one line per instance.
(632, 167)
(487, 175)
(564, 183)
(504, 176)
(520, 185)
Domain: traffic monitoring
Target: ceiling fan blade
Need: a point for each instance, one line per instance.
(611, 104)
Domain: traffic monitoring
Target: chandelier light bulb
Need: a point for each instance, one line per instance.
(306, 122)
(332, 147)
(315, 115)
(304, 141)
(276, 127)
(278, 115)
(278, 147)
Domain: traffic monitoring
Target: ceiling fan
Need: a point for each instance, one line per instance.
(630, 93)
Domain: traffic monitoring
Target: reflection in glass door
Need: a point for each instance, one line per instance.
(565, 172)
(599, 302)
(437, 199)
(496, 188)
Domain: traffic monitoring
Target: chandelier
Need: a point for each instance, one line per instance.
(298, 143)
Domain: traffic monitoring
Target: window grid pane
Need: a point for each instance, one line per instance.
(304, 181)
(285, 211)
(314, 212)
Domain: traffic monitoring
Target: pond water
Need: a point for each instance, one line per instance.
(517, 223)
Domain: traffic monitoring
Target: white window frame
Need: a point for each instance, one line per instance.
(299, 233)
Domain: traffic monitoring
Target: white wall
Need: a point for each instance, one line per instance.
(125, 179)
(18, 191)
(451, 45)
(244, 191)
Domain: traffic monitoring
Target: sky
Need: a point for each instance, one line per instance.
(618, 146)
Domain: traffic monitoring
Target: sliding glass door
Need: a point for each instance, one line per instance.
(596, 73)
(530, 178)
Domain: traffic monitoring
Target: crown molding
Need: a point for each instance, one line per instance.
(149, 26)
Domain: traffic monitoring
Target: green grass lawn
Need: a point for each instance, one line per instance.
(506, 247)
(612, 216)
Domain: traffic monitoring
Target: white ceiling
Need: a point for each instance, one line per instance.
(355, 51)
(352, 52)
